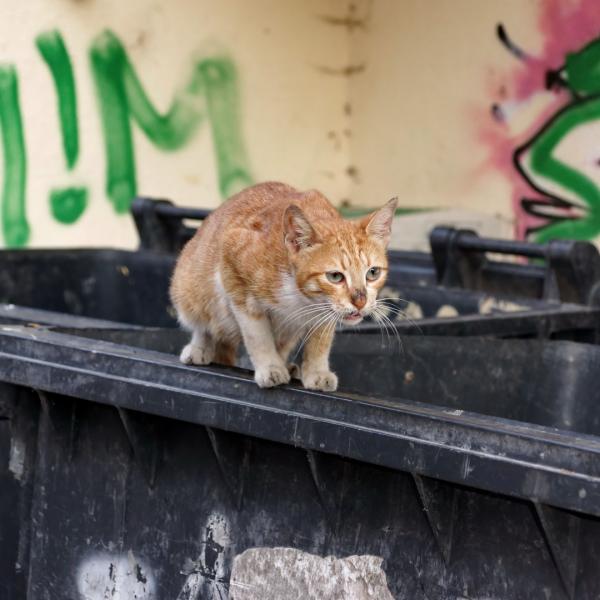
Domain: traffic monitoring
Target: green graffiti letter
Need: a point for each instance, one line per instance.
(66, 204)
(121, 97)
(583, 69)
(220, 82)
(14, 221)
(52, 48)
(544, 163)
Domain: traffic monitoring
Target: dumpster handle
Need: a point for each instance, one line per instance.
(571, 270)
(178, 212)
(468, 240)
(161, 226)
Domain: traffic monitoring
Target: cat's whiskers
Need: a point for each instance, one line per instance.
(315, 326)
(391, 303)
(383, 328)
(385, 321)
(322, 321)
(380, 303)
(378, 321)
(302, 312)
(330, 328)
(375, 316)
(394, 331)
(393, 299)
(304, 329)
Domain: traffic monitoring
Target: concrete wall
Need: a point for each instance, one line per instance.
(364, 99)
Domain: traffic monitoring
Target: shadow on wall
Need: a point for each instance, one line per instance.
(210, 93)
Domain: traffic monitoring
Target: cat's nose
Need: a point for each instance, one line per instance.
(359, 298)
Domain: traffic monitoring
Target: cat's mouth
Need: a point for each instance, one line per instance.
(353, 318)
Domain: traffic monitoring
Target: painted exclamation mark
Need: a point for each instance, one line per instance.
(66, 204)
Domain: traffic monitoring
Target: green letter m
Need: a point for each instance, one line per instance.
(211, 90)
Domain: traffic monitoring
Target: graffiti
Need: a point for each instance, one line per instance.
(53, 50)
(210, 93)
(543, 165)
(14, 222)
(66, 204)
(212, 82)
(553, 160)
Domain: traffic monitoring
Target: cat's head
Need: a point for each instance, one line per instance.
(340, 262)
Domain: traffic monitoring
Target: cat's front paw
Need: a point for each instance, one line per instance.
(271, 375)
(196, 355)
(325, 381)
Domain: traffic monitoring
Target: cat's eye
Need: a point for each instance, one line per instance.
(335, 276)
(373, 273)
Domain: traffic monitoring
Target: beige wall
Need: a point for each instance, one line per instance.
(286, 105)
(364, 100)
(423, 127)
(413, 134)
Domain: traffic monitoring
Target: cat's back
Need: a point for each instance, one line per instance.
(263, 199)
(255, 215)
(238, 211)
(261, 207)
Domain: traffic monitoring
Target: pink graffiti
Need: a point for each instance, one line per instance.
(566, 26)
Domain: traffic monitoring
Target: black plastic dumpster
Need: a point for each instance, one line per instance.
(558, 297)
(466, 466)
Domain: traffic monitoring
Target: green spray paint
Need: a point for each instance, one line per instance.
(581, 75)
(210, 92)
(53, 50)
(582, 70)
(121, 96)
(545, 164)
(220, 83)
(14, 221)
(66, 204)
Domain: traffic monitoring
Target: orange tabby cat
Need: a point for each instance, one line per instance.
(272, 267)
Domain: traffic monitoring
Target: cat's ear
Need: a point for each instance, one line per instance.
(298, 233)
(379, 224)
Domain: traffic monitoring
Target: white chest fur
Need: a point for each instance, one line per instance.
(294, 312)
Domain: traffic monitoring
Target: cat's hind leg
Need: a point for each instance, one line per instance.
(201, 350)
